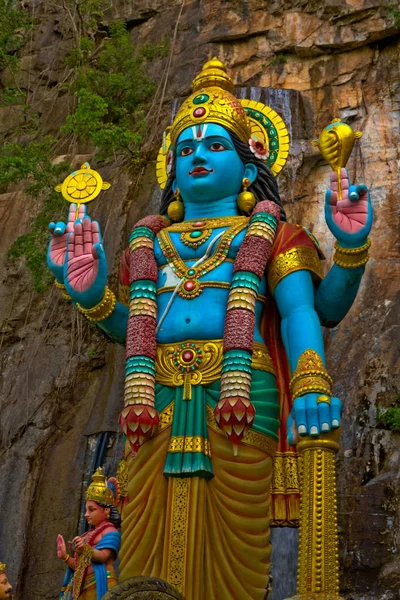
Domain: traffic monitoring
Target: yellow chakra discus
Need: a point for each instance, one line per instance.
(82, 186)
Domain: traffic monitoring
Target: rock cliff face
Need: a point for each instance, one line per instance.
(62, 382)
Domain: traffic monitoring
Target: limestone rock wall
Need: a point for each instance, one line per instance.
(61, 381)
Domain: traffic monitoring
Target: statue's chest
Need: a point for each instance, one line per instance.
(171, 245)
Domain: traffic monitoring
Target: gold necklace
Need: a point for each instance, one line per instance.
(195, 232)
(191, 287)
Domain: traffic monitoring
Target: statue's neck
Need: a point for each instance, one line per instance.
(226, 207)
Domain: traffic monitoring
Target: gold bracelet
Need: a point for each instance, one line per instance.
(310, 375)
(102, 310)
(61, 287)
(350, 258)
(66, 559)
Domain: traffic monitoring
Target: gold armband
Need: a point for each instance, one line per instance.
(66, 559)
(350, 258)
(102, 310)
(61, 287)
(310, 376)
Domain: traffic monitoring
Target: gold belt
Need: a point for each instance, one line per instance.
(199, 362)
(91, 579)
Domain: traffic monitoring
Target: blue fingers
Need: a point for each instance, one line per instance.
(312, 418)
(57, 228)
(336, 411)
(299, 415)
(355, 191)
(324, 414)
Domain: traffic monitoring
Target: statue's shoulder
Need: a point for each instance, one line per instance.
(153, 222)
(291, 236)
(106, 531)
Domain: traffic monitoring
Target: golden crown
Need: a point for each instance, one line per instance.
(212, 101)
(98, 490)
(2, 568)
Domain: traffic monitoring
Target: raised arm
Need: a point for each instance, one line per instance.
(77, 260)
(350, 221)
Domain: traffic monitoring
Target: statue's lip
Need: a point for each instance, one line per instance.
(200, 171)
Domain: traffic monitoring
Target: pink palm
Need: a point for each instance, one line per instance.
(83, 258)
(58, 243)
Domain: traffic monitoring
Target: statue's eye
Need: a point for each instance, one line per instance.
(186, 151)
(217, 147)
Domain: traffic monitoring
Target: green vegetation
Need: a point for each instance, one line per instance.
(389, 418)
(394, 10)
(108, 78)
(279, 59)
(14, 26)
(112, 93)
(32, 163)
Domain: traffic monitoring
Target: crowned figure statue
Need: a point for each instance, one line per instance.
(6, 589)
(90, 566)
(225, 362)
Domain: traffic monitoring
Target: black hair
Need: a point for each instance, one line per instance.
(115, 517)
(264, 186)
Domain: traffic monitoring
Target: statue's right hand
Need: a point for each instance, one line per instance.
(57, 248)
(85, 267)
(61, 547)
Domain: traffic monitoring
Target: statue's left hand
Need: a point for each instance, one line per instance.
(308, 417)
(61, 547)
(349, 219)
(85, 267)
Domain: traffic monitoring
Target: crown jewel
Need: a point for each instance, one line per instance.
(98, 490)
(212, 102)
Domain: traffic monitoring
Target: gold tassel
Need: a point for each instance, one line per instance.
(187, 387)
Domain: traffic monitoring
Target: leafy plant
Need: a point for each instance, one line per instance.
(279, 59)
(389, 418)
(14, 25)
(111, 93)
(32, 162)
(393, 9)
(111, 86)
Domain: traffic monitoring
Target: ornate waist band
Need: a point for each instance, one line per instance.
(200, 362)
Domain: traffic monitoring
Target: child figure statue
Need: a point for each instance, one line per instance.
(90, 571)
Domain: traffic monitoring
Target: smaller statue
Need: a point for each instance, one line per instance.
(5, 586)
(90, 573)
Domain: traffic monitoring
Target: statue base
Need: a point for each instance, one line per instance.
(316, 596)
(143, 588)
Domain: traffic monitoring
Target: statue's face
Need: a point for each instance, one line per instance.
(5, 587)
(208, 168)
(95, 515)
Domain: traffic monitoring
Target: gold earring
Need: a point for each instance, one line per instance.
(175, 208)
(246, 200)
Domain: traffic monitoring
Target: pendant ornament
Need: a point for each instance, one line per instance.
(191, 287)
(196, 237)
